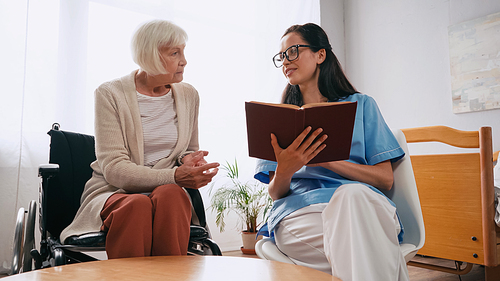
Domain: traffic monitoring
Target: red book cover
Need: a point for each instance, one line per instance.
(288, 121)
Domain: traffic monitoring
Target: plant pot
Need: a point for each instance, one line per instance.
(249, 242)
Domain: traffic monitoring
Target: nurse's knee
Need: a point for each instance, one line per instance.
(352, 198)
(351, 191)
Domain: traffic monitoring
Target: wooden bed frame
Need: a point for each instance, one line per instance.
(457, 197)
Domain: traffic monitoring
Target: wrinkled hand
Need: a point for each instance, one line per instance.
(198, 163)
(195, 172)
(299, 153)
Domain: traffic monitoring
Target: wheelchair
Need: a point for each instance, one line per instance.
(62, 184)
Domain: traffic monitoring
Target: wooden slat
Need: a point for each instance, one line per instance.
(449, 230)
(488, 196)
(458, 138)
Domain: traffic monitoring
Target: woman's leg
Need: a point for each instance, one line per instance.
(300, 236)
(172, 220)
(361, 236)
(127, 219)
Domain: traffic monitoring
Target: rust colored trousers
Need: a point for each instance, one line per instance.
(140, 225)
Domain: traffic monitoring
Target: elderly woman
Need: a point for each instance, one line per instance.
(146, 131)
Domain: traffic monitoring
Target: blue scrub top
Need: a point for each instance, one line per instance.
(372, 143)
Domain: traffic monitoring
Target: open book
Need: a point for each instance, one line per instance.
(287, 121)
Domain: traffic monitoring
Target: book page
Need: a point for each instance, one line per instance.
(276, 104)
(317, 104)
(324, 104)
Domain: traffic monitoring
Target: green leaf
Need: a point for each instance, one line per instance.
(248, 201)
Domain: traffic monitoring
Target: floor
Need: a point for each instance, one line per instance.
(416, 273)
(421, 274)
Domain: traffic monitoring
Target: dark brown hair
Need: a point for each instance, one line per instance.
(332, 82)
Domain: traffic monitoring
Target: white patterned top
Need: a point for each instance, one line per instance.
(159, 126)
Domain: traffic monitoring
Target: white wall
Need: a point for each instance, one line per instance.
(398, 52)
(332, 21)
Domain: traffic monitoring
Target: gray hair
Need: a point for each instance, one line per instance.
(149, 38)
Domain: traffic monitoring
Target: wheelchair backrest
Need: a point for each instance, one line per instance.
(74, 153)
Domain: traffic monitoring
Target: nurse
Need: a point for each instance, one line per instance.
(333, 216)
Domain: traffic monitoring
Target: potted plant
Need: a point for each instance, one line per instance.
(249, 200)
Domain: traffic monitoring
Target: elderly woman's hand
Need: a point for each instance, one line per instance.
(199, 162)
(195, 172)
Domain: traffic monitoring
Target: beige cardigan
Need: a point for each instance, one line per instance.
(119, 167)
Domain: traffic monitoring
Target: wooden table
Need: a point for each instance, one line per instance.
(176, 268)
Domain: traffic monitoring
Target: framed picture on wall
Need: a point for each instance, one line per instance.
(475, 64)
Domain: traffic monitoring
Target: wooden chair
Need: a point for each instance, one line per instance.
(457, 197)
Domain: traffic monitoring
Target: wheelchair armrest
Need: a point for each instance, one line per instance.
(198, 233)
(48, 170)
(93, 239)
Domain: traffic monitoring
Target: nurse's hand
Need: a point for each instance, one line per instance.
(299, 153)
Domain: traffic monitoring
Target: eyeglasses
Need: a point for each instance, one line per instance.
(291, 54)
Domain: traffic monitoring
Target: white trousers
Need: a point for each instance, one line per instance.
(353, 237)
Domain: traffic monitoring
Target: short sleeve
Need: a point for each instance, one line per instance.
(262, 170)
(380, 143)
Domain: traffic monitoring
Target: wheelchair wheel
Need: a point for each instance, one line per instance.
(59, 257)
(29, 240)
(17, 254)
(214, 248)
